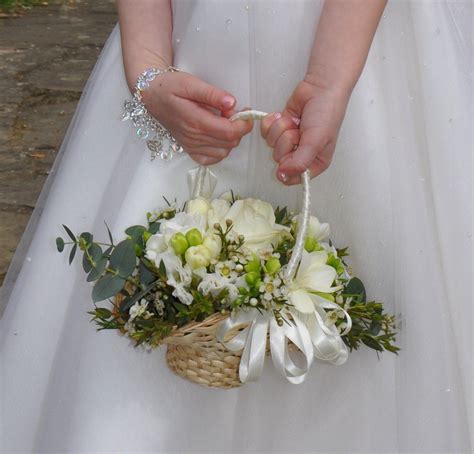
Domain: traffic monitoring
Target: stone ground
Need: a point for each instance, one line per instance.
(46, 55)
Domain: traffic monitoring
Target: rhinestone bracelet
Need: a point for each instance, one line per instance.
(159, 140)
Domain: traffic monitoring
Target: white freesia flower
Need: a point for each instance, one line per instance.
(180, 278)
(157, 249)
(313, 276)
(255, 220)
(316, 229)
(182, 223)
(199, 205)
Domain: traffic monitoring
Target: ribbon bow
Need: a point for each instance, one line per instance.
(253, 340)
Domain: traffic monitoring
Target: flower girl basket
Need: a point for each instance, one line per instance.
(194, 351)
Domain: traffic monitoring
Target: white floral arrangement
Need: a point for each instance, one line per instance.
(229, 255)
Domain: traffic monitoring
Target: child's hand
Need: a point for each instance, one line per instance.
(196, 113)
(321, 111)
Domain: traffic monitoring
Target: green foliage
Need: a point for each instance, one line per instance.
(60, 244)
(123, 259)
(283, 216)
(107, 287)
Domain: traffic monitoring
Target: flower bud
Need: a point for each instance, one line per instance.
(146, 236)
(199, 205)
(228, 222)
(194, 237)
(310, 244)
(214, 244)
(254, 265)
(198, 256)
(251, 278)
(272, 266)
(179, 243)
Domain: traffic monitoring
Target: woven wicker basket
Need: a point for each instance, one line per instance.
(194, 353)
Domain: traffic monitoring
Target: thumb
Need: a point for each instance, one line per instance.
(205, 93)
(297, 162)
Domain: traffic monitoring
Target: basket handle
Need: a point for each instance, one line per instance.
(304, 217)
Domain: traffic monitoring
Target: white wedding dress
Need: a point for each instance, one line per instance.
(398, 193)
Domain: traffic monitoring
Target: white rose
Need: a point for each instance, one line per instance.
(217, 212)
(214, 244)
(199, 205)
(198, 256)
(316, 230)
(255, 220)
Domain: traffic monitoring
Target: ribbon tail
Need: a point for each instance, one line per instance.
(299, 335)
(253, 356)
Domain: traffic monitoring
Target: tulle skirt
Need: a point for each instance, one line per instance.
(398, 193)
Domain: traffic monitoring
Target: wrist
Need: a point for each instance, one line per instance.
(134, 69)
(341, 87)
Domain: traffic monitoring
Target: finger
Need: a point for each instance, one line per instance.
(215, 126)
(267, 122)
(278, 128)
(287, 143)
(212, 152)
(204, 160)
(202, 92)
(317, 167)
(311, 145)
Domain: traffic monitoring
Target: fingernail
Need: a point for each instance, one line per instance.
(228, 101)
(296, 120)
(283, 176)
(277, 115)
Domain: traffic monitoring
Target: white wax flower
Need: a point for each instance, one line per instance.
(139, 310)
(313, 276)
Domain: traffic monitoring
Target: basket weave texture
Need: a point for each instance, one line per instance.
(194, 353)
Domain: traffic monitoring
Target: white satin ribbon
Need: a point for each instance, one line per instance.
(201, 182)
(253, 340)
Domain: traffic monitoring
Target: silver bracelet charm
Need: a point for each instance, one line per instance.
(159, 140)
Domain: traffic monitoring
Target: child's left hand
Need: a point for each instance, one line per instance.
(304, 135)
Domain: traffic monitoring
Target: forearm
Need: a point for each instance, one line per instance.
(345, 32)
(146, 28)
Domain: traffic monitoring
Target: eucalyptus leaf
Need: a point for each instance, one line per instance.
(73, 253)
(107, 287)
(123, 258)
(356, 287)
(60, 244)
(146, 276)
(136, 233)
(98, 270)
(154, 227)
(87, 237)
(68, 231)
(128, 302)
(109, 233)
(86, 264)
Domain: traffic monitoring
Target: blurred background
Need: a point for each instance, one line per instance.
(47, 50)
